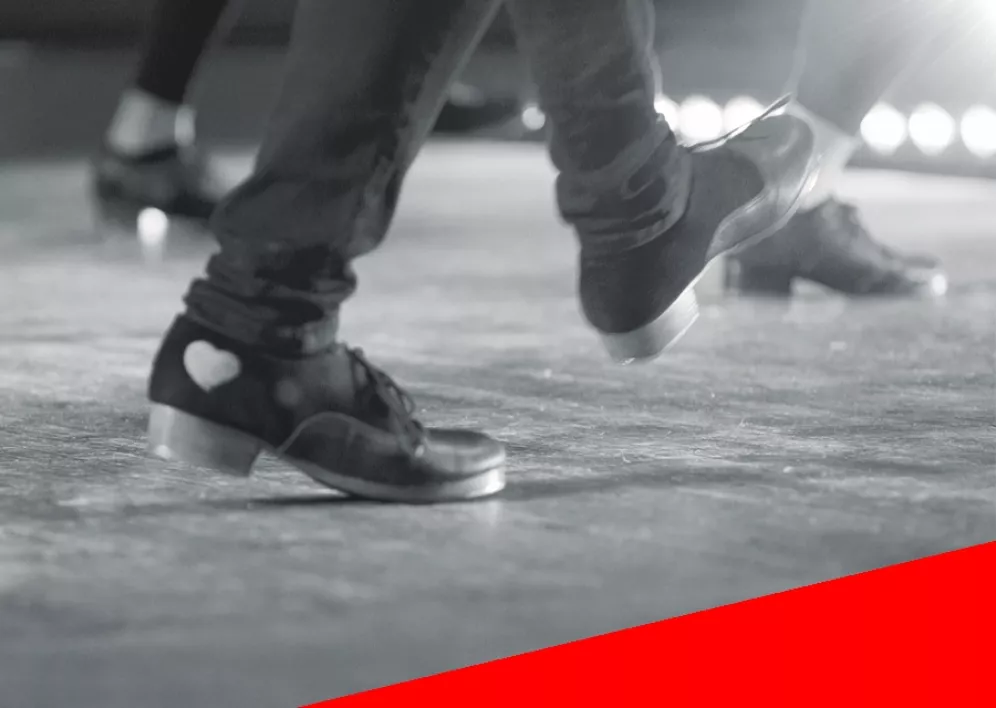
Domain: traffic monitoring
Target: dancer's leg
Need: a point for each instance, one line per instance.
(255, 361)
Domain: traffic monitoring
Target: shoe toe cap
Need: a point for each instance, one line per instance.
(932, 281)
(463, 452)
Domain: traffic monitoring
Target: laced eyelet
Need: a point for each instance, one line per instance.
(398, 402)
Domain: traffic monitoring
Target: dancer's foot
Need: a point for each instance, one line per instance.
(744, 189)
(829, 245)
(334, 416)
(174, 180)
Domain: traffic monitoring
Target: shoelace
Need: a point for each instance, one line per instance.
(399, 403)
(723, 139)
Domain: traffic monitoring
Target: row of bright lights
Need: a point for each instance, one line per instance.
(932, 129)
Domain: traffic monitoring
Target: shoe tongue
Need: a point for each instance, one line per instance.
(347, 386)
(346, 378)
(330, 378)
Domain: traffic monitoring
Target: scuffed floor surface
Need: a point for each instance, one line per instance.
(777, 446)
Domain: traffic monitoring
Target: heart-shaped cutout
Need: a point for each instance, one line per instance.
(210, 367)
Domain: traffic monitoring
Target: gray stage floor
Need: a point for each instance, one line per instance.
(779, 445)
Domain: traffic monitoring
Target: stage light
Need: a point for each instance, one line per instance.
(152, 227)
(669, 109)
(978, 131)
(989, 11)
(700, 119)
(533, 118)
(740, 111)
(884, 129)
(932, 129)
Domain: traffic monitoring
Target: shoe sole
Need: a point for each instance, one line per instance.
(776, 284)
(650, 341)
(181, 437)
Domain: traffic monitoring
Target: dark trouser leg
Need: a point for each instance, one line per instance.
(622, 179)
(179, 33)
(855, 50)
(364, 83)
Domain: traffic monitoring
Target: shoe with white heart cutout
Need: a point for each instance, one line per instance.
(219, 404)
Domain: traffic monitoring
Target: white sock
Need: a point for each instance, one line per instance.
(835, 148)
(144, 123)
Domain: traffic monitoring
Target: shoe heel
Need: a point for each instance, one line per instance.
(651, 340)
(759, 282)
(178, 436)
